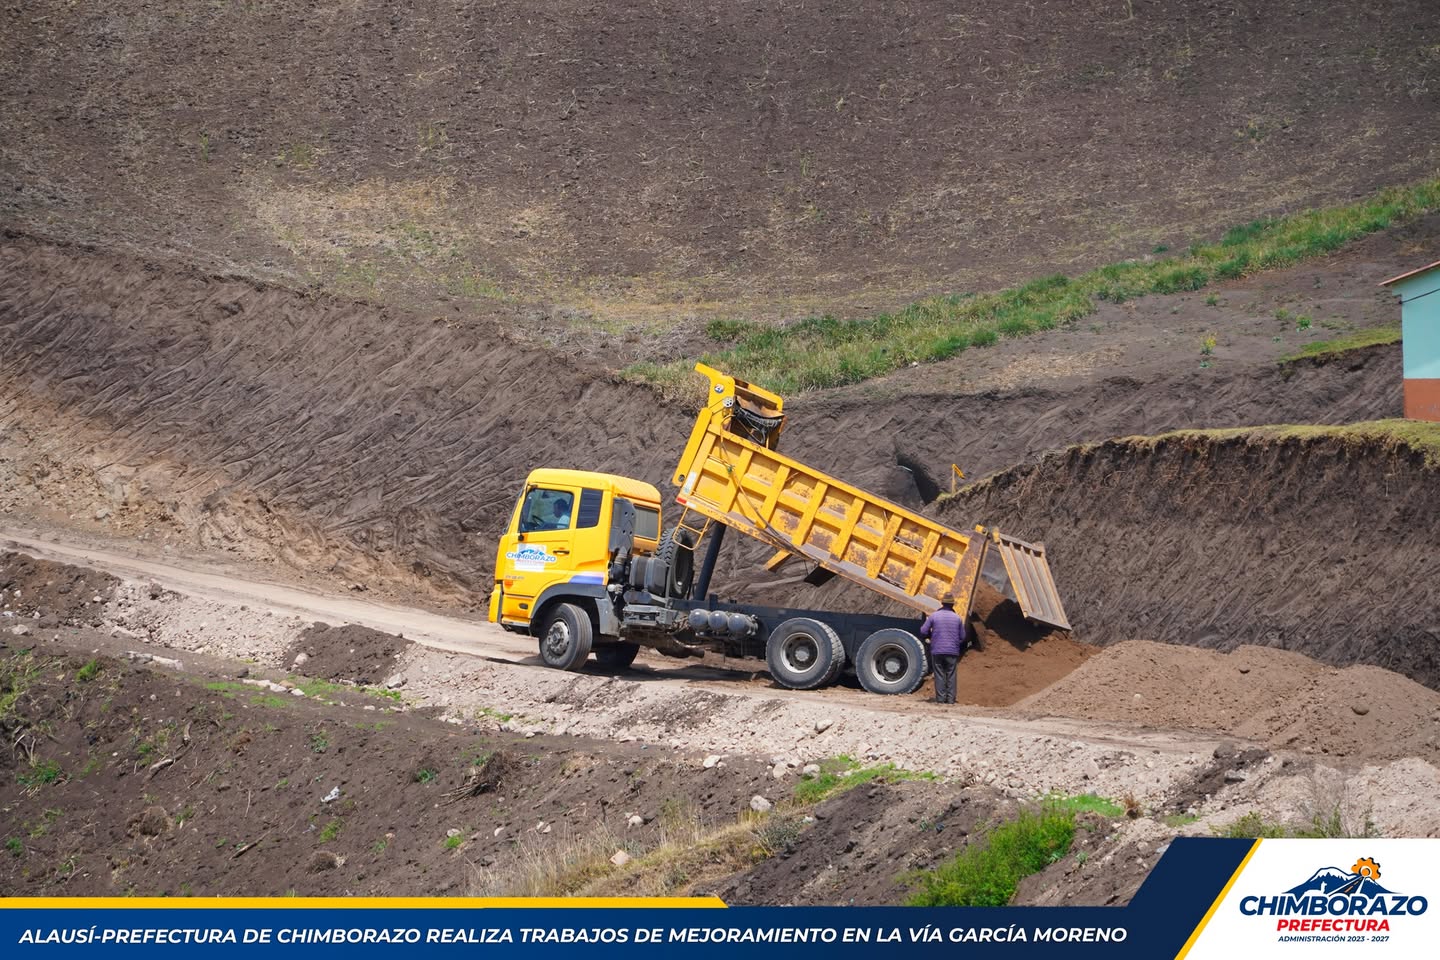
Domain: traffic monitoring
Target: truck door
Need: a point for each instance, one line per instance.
(556, 537)
(539, 549)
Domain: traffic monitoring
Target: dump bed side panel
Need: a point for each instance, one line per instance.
(865, 538)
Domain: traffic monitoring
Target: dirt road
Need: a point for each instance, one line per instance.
(477, 639)
(213, 582)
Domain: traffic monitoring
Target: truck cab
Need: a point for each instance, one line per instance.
(557, 552)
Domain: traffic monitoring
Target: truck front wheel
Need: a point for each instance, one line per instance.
(891, 661)
(804, 654)
(565, 640)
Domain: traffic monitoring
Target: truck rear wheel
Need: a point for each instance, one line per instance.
(616, 656)
(891, 661)
(565, 641)
(804, 654)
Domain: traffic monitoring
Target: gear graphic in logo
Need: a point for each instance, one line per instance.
(1366, 867)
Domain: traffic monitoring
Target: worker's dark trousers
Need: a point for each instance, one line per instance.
(945, 677)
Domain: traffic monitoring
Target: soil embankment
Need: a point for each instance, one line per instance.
(1309, 541)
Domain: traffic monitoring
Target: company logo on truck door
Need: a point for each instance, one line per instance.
(531, 557)
(1337, 901)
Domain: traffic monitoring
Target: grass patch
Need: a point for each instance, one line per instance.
(88, 672)
(331, 830)
(453, 843)
(17, 672)
(1358, 340)
(691, 851)
(823, 351)
(1179, 819)
(838, 774)
(41, 774)
(1323, 825)
(1085, 803)
(987, 871)
(1416, 436)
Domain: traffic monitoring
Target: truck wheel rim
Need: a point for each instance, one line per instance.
(890, 663)
(800, 653)
(557, 640)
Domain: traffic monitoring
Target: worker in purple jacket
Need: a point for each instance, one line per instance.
(945, 629)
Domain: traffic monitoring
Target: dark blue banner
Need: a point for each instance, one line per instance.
(1159, 921)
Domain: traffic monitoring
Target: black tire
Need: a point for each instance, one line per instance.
(804, 654)
(566, 637)
(616, 656)
(672, 570)
(891, 661)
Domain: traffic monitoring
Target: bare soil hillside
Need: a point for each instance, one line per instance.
(383, 447)
(658, 159)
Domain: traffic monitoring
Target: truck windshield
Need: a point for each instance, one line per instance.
(546, 509)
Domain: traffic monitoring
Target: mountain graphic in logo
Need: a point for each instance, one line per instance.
(1360, 879)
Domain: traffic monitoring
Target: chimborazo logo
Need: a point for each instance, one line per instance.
(531, 555)
(1337, 901)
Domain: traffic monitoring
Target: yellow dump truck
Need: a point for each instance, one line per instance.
(584, 565)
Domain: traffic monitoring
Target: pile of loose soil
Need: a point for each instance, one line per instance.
(1307, 540)
(1010, 658)
(1277, 697)
(347, 652)
(147, 782)
(46, 594)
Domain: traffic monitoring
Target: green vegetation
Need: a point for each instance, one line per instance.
(425, 775)
(1178, 819)
(1329, 825)
(16, 674)
(48, 817)
(1419, 435)
(327, 691)
(1396, 436)
(826, 352)
(40, 774)
(88, 672)
(1085, 803)
(1358, 340)
(15, 846)
(319, 742)
(229, 688)
(838, 774)
(331, 830)
(452, 843)
(987, 871)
